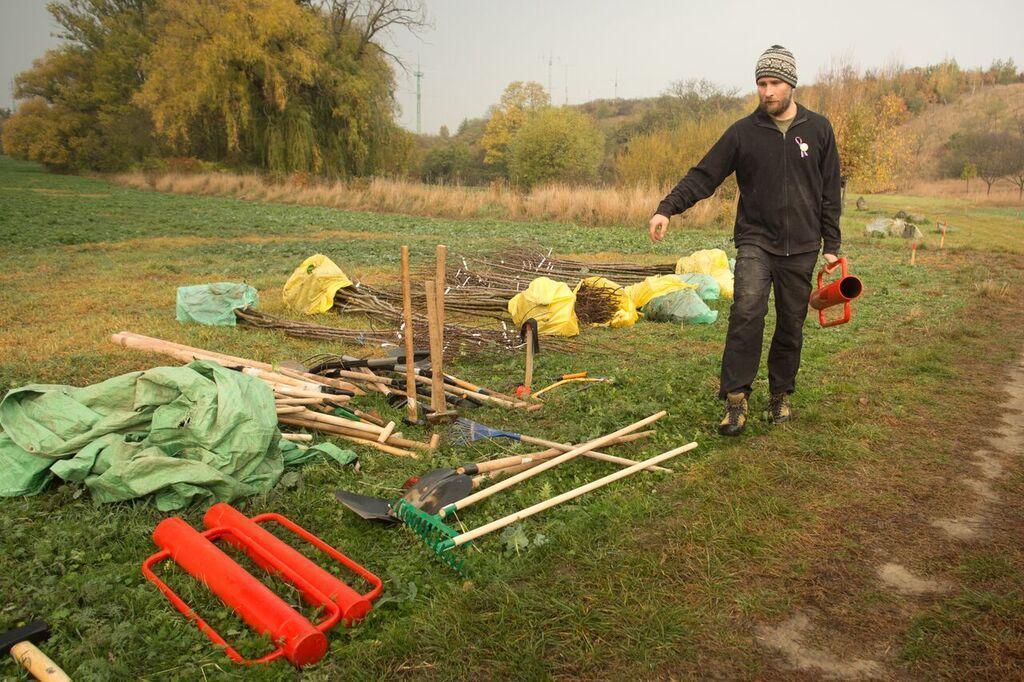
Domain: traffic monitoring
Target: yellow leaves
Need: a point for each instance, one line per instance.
(555, 145)
(659, 158)
(223, 58)
(518, 102)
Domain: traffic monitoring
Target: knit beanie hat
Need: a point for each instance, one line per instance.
(776, 62)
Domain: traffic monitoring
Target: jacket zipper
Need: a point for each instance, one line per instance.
(785, 187)
(785, 170)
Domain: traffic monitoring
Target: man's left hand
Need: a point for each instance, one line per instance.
(830, 258)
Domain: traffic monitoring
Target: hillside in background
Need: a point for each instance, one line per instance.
(990, 108)
(893, 127)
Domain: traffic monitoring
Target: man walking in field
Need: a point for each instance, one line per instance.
(787, 169)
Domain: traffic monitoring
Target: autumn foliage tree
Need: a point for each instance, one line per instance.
(866, 121)
(519, 101)
(555, 145)
(285, 85)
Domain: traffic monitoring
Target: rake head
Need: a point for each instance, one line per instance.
(434, 532)
(466, 431)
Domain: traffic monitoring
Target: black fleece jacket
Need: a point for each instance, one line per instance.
(789, 184)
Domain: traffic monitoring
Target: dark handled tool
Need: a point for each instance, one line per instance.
(21, 643)
(348, 362)
(432, 490)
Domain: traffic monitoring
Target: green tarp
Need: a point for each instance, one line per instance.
(214, 304)
(707, 286)
(680, 306)
(185, 435)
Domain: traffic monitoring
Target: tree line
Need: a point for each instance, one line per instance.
(307, 87)
(284, 85)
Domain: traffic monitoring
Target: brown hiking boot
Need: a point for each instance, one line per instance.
(735, 415)
(779, 411)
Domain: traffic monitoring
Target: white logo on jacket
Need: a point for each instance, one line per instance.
(803, 147)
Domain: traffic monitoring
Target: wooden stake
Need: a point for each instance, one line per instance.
(386, 433)
(440, 279)
(298, 437)
(340, 433)
(942, 240)
(410, 353)
(913, 253)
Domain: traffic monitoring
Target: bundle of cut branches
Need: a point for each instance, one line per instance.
(457, 337)
(483, 287)
(525, 263)
(466, 293)
(596, 304)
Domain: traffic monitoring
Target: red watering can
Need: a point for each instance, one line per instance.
(838, 292)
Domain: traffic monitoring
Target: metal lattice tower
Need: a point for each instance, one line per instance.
(419, 75)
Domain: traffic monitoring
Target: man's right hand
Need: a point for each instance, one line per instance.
(658, 227)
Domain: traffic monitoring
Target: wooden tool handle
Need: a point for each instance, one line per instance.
(589, 453)
(509, 471)
(410, 356)
(437, 403)
(555, 461)
(558, 499)
(440, 281)
(502, 463)
(461, 383)
(36, 662)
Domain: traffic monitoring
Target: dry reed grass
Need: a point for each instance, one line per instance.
(1004, 192)
(592, 206)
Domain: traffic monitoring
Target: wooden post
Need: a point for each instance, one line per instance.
(942, 240)
(410, 352)
(440, 278)
(437, 404)
(913, 253)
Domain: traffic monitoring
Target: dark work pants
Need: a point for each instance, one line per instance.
(757, 273)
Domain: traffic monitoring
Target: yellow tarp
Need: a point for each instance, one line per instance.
(312, 286)
(654, 286)
(550, 303)
(712, 262)
(626, 315)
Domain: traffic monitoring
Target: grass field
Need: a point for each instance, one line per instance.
(661, 576)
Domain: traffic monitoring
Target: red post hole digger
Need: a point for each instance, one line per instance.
(838, 292)
(298, 640)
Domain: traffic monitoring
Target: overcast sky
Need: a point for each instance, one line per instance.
(476, 47)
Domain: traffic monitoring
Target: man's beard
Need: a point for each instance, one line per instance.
(776, 108)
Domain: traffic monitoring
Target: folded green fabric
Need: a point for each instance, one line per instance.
(183, 435)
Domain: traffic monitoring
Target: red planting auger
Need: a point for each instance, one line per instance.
(297, 639)
(838, 292)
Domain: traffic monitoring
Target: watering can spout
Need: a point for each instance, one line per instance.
(838, 292)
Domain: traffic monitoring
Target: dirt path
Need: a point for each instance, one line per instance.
(809, 644)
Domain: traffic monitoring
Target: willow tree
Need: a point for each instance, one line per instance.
(274, 83)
